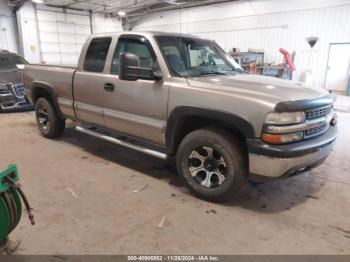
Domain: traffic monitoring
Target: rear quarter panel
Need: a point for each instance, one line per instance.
(58, 79)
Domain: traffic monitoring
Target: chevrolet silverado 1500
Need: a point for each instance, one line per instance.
(179, 95)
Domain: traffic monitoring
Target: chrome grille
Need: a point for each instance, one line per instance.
(317, 112)
(4, 92)
(18, 90)
(316, 131)
(313, 114)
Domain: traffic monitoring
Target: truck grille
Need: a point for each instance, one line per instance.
(313, 114)
(4, 92)
(18, 90)
(316, 131)
(318, 112)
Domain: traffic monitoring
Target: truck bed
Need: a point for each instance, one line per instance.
(57, 76)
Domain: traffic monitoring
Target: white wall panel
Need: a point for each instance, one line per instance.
(80, 39)
(62, 34)
(54, 35)
(67, 58)
(48, 37)
(102, 23)
(78, 19)
(67, 38)
(7, 34)
(268, 24)
(66, 28)
(8, 39)
(82, 29)
(28, 32)
(49, 47)
(51, 58)
(47, 27)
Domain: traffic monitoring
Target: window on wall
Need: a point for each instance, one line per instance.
(96, 55)
(136, 47)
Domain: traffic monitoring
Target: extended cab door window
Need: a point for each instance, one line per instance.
(137, 47)
(96, 55)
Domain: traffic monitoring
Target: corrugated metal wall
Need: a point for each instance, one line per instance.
(270, 31)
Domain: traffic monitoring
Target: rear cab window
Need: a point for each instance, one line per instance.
(96, 54)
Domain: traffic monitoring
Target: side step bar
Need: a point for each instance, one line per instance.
(123, 143)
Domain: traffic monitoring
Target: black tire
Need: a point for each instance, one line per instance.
(53, 126)
(225, 147)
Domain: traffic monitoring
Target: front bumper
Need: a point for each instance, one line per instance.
(10, 102)
(274, 162)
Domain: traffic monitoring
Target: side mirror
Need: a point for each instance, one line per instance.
(129, 67)
(130, 70)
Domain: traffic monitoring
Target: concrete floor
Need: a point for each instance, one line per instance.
(308, 214)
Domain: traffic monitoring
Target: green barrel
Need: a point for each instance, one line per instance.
(10, 202)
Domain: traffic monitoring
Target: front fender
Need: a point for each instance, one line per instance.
(181, 113)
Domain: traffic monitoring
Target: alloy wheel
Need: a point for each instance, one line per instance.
(207, 167)
(43, 117)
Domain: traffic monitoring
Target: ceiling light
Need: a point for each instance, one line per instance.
(38, 1)
(122, 13)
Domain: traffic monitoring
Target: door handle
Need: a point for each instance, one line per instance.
(109, 87)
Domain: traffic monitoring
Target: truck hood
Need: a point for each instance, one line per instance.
(266, 89)
(11, 77)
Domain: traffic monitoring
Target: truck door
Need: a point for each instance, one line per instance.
(89, 89)
(137, 108)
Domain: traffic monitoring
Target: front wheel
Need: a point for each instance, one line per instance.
(212, 163)
(49, 123)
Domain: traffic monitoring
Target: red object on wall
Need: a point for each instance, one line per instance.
(288, 58)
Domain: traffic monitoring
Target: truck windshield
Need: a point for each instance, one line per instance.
(194, 57)
(11, 63)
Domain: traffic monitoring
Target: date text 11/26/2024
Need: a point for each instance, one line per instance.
(173, 258)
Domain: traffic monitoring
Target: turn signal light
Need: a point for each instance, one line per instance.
(281, 138)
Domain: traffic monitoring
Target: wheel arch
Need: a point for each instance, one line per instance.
(42, 89)
(185, 119)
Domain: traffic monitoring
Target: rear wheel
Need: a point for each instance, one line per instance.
(212, 163)
(49, 123)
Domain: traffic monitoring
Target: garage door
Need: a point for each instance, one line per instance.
(62, 35)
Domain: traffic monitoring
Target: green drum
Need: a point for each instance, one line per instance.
(10, 202)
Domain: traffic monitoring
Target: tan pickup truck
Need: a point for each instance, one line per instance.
(179, 95)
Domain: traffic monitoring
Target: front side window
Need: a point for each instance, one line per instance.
(193, 56)
(96, 55)
(11, 62)
(137, 47)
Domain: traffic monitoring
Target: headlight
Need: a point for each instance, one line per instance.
(285, 118)
(282, 128)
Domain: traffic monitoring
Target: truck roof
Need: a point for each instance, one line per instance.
(146, 34)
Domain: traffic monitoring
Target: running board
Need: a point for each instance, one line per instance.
(123, 143)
